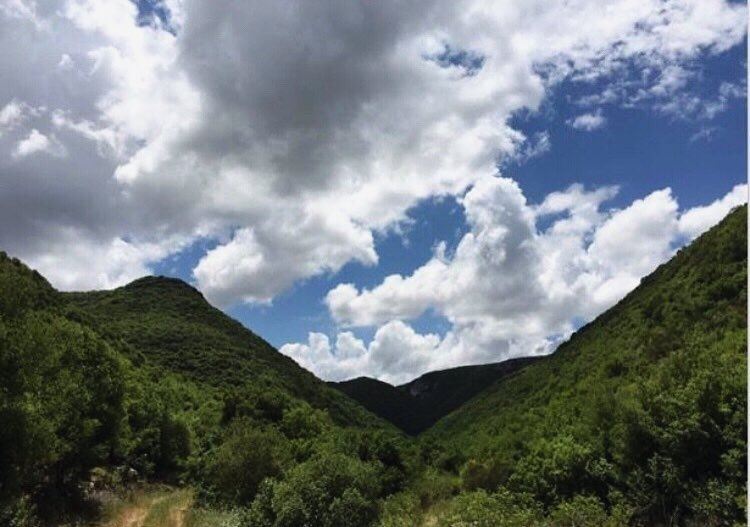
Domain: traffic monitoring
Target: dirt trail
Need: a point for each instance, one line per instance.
(177, 516)
(158, 510)
(131, 517)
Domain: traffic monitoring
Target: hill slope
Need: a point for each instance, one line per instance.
(415, 406)
(645, 407)
(150, 381)
(169, 324)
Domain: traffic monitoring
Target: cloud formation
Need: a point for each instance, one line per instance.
(292, 133)
(395, 352)
(512, 288)
(588, 122)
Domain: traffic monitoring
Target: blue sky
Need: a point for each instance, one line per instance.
(377, 188)
(638, 149)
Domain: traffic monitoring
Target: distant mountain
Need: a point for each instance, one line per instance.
(417, 405)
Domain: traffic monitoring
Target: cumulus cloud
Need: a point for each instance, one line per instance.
(511, 288)
(15, 113)
(588, 122)
(396, 351)
(210, 120)
(75, 262)
(254, 266)
(698, 219)
(35, 142)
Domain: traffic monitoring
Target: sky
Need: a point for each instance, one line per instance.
(377, 188)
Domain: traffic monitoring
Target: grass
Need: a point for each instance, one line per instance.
(155, 506)
(161, 506)
(212, 518)
(169, 510)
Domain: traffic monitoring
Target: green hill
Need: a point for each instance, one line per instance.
(417, 405)
(148, 381)
(167, 323)
(642, 409)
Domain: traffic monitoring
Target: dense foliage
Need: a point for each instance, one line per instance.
(640, 419)
(149, 382)
(167, 323)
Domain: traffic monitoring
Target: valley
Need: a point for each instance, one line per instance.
(638, 419)
(417, 405)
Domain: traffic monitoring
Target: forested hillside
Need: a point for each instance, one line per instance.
(150, 383)
(417, 405)
(639, 418)
(167, 323)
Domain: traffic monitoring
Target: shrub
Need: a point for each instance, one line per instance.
(330, 490)
(245, 458)
(500, 509)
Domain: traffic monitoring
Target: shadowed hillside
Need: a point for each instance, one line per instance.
(415, 406)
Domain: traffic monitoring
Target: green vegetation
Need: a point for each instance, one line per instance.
(168, 324)
(150, 383)
(640, 416)
(640, 419)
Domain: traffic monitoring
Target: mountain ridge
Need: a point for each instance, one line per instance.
(418, 404)
(169, 323)
(645, 407)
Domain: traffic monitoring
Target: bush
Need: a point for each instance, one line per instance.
(330, 490)
(304, 422)
(500, 509)
(581, 511)
(554, 469)
(61, 407)
(487, 475)
(245, 458)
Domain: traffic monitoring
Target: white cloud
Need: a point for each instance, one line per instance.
(253, 266)
(38, 142)
(15, 113)
(74, 262)
(512, 289)
(11, 114)
(396, 351)
(588, 122)
(699, 219)
(705, 133)
(295, 156)
(66, 63)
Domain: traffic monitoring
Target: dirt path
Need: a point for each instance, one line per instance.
(132, 517)
(177, 516)
(163, 509)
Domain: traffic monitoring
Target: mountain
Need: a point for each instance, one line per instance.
(417, 405)
(639, 419)
(644, 408)
(150, 380)
(167, 323)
